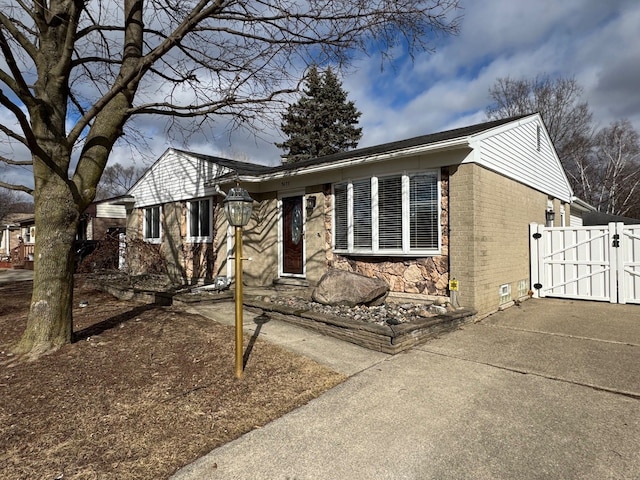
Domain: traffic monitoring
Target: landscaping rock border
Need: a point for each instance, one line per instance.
(390, 339)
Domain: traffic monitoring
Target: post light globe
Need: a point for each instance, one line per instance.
(237, 207)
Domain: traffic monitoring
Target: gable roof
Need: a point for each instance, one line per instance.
(517, 147)
(507, 146)
(16, 219)
(242, 168)
(429, 139)
(455, 138)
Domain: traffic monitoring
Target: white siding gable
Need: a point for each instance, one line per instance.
(107, 210)
(523, 151)
(175, 176)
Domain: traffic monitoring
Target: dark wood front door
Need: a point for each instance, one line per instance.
(292, 235)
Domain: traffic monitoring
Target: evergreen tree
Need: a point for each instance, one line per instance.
(322, 122)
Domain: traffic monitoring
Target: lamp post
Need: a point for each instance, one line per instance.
(237, 208)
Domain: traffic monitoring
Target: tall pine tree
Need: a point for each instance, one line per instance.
(322, 122)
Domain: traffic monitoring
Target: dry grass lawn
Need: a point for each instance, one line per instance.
(143, 391)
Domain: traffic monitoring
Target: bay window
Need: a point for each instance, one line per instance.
(388, 215)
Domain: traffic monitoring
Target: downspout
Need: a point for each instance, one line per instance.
(7, 241)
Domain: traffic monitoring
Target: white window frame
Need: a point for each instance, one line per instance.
(405, 250)
(147, 239)
(200, 238)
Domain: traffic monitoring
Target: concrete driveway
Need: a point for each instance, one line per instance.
(548, 390)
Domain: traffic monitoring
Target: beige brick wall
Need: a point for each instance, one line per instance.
(316, 234)
(186, 262)
(489, 234)
(260, 242)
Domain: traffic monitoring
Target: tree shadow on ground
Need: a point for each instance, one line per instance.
(109, 323)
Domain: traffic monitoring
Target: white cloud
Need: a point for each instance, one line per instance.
(595, 42)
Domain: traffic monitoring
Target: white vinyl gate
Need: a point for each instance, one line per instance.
(590, 263)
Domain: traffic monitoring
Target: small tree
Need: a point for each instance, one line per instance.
(8, 200)
(322, 122)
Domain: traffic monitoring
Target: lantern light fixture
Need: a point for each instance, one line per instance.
(237, 207)
(549, 216)
(311, 204)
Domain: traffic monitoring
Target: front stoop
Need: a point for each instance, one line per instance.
(389, 339)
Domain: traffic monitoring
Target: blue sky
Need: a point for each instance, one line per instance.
(596, 42)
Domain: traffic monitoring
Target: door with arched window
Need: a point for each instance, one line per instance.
(292, 236)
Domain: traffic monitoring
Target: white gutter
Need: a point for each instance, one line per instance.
(407, 152)
(582, 205)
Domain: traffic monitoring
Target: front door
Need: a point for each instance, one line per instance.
(292, 235)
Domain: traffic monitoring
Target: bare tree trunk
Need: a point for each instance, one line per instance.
(50, 325)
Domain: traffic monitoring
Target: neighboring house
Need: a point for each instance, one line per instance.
(103, 217)
(596, 218)
(418, 212)
(579, 210)
(584, 214)
(13, 230)
(18, 236)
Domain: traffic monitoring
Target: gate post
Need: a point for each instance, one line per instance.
(535, 243)
(617, 262)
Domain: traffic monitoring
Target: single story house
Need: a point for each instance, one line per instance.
(18, 234)
(418, 213)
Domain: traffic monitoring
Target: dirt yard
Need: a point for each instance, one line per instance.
(141, 392)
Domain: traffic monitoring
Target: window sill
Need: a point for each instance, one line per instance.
(199, 240)
(389, 253)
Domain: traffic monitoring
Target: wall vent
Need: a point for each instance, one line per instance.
(505, 293)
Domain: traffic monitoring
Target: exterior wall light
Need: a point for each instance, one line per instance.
(549, 216)
(237, 208)
(311, 204)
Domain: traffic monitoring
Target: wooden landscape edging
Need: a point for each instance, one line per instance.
(390, 339)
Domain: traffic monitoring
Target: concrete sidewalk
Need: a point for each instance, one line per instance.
(340, 356)
(547, 390)
(15, 275)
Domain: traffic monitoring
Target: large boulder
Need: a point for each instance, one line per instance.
(339, 287)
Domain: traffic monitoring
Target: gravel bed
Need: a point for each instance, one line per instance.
(390, 313)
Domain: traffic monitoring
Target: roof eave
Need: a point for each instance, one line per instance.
(451, 144)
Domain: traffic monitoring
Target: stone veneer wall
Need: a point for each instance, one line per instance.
(422, 275)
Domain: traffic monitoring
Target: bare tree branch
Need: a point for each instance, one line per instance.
(19, 188)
